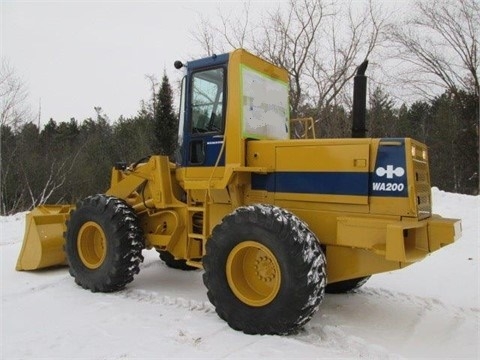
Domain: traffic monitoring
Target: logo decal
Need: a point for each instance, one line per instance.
(390, 171)
(214, 142)
(389, 179)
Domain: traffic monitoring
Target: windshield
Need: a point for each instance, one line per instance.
(207, 101)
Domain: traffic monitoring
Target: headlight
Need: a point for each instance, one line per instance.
(419, 153)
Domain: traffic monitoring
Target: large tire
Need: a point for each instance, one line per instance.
(346, 286)
(264, 270)
(104, 243)
(173, 263)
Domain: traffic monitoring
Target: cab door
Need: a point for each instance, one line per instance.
(205, 118)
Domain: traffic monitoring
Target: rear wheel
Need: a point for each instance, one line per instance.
(103, 244)
(346, 285)
(173, 263)
(264, 270)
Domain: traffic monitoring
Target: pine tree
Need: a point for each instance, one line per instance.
(381, 120)
(165, 121)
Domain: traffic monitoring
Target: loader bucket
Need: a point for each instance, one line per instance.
(43, 241)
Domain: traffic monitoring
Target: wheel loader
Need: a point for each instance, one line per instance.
(274, 222)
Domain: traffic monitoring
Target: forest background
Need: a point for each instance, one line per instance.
(423, 83)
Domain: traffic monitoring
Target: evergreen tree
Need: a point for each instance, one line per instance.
(466, 108)
(381, 120)
(454, 150)
(420, 121)
(404, 128)
(133, 137)
(9, 185)
(165, 121)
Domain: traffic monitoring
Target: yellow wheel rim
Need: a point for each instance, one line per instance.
(253, 273)
(92, 245)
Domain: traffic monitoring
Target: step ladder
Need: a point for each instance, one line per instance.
(197, 222)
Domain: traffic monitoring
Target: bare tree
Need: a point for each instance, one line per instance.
(440, 44)
(8, 204)
(347, 40)
(56, 178)
(39, 189)
(233, 30)
(290, 38)
(204, 35)
(307, 38)
(153, 88)
(13, 97)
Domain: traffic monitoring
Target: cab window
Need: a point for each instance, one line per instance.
(207, 101)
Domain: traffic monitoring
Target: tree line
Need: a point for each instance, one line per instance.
(66, 161)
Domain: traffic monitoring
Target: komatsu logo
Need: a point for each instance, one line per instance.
(390, 171)
(389, 178)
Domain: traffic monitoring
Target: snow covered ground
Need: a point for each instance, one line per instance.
(430, 309)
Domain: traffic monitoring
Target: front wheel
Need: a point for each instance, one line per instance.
(264, 270)
(104, 243)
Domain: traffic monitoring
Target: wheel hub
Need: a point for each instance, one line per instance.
(253, 273)
(265, 269)
(92, 245)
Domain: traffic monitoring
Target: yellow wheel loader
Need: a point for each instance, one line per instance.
(274, 222)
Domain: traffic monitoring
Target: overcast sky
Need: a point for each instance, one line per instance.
(74, 55)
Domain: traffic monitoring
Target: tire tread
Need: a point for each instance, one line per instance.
(125, 243)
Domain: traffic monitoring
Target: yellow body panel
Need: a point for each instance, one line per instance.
(236, 145)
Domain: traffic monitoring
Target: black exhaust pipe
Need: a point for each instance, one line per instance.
(359, 102)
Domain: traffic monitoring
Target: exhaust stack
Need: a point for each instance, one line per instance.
(359, 102)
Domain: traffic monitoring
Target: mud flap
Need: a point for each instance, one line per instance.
(43, 241)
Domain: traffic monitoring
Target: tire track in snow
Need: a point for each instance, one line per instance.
(155, 298)
(331, 336)
(38, 288)
(334, 337)
(342, 319)
(58, 280)
(427, 303)
(450, 318)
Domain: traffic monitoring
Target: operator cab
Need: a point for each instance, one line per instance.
(258, 109)
(203, 112)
